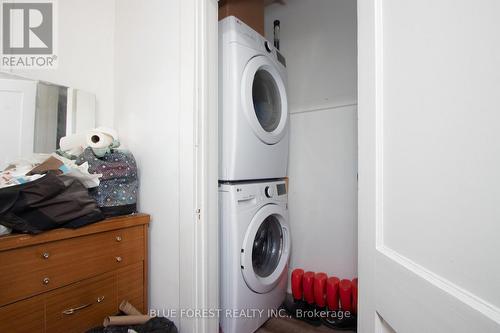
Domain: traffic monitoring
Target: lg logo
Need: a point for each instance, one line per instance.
(27, 28)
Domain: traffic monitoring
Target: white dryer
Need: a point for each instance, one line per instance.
(254, 254)
(253, 117)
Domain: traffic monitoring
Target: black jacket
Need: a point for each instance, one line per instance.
(47, 203)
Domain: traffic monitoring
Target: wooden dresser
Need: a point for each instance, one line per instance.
(65, 280)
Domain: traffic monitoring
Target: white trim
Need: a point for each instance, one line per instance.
(379, 124)
(209, 172)
(322, 107)
(187, 161)
(478, 304)
(366, 166)
(418, 298)
(333, 107)
(198, 172)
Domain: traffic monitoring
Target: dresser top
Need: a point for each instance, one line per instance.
(13, 241)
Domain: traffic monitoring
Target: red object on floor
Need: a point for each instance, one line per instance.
(345, 288)
(320, 289)
(297, 276)
(355, 295)
(332, 293)
(308, 285)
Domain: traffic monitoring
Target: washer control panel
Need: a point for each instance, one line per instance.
(253, 193)
(275, 190)
(269, 191)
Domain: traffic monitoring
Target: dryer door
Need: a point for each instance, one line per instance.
(264, 100)
(266, 248)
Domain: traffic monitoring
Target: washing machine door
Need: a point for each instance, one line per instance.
(264, 100)
(266, 248)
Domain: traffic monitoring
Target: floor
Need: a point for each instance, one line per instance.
(291, 325)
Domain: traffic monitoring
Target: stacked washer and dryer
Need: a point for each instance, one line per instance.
(253, 158)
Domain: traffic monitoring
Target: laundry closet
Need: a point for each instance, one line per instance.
(287, 154)
(318, 38)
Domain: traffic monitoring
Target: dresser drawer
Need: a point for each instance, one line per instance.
(82, 305)
(130, 285)
(25, 316)
(35, 269)
(76, 307)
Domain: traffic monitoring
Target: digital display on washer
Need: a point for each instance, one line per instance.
(281, 189)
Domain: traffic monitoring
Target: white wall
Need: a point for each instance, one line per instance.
(323, 186)
(126, 52)
(85, 52)
(147, 119)
(318, 39)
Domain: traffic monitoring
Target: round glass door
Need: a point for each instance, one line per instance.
(266, 248)
(264, 100)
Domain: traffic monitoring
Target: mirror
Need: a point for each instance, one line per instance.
(60, 111)
(36, 114)
(51, 114)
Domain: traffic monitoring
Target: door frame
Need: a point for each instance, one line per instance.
(198, 166)
(367, 105)
(199, 242)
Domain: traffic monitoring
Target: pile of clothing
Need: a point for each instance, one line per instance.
(86, 180)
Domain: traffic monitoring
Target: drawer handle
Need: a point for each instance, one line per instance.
(118, 238)
(46, 281)
(45, 255)
(119, 259)
(73, 310)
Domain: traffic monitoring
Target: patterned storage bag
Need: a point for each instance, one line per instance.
(119, 185)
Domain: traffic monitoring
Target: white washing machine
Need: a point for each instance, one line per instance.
(253, 116)
(254, 253)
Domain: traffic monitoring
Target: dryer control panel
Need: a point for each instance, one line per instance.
(233, 30)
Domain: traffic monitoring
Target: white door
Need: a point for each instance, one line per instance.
(429, 165)
(266, 248)
(264, 100)
(17, 119)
